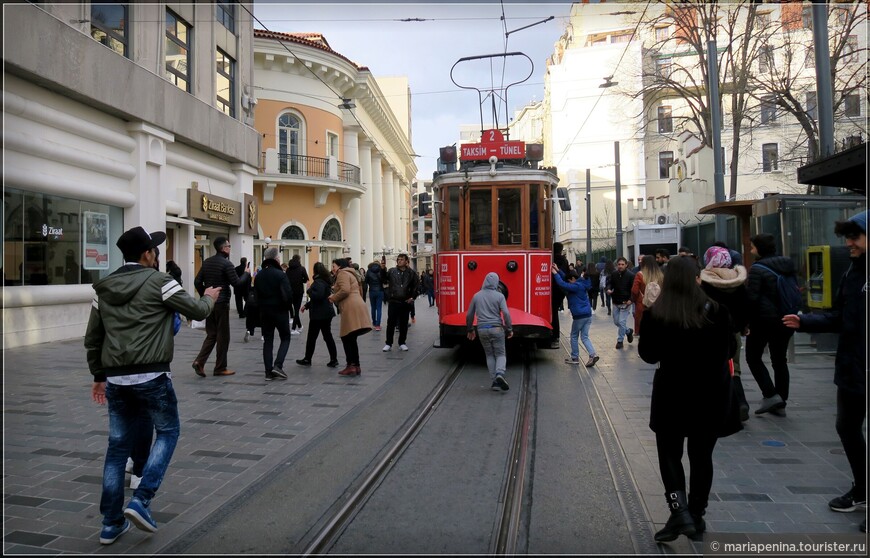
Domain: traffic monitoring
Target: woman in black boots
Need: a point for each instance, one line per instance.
(320, 315)
(690, 338)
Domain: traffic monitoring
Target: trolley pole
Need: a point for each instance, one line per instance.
(618, 201)
(588, 216)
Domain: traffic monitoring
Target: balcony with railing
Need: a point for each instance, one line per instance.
(325, 174)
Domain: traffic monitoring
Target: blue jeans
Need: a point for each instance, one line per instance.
(376, 300)
(493, 341)
(431, 294)
(580, 328)
(620, 315)
(157, 400)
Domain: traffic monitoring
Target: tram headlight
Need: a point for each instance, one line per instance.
(472, 265)
(512, 266)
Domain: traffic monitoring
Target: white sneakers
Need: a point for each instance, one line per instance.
(295, 332)
(387, 348)
(403, 347)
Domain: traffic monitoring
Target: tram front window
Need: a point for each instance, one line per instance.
(534, 222)
(480, 217)
(510, 216)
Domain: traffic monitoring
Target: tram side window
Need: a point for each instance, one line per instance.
(534, 218)
(453, 218)
(510, 216)
(480, 217)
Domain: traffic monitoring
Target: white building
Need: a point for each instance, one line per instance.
(593, 98)
(118, 115)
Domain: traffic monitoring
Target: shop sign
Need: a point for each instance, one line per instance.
(207, 207)
(250, 219)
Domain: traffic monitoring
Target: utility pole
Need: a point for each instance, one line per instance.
(716, 124)
(588, 216)
(618, 202)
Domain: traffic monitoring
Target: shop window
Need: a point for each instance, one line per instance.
(51, 240)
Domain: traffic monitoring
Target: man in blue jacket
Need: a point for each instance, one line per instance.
(849, 318)
(576, 289)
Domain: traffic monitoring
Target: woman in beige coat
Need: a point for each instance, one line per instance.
(354, 316)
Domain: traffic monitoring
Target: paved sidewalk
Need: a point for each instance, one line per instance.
(234, 430)
(775, 476)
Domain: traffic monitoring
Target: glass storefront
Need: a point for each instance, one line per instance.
(52, 240)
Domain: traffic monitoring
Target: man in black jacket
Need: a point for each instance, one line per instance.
(619, 288)
(218, 271)
(849, 318)
(273, 292)
(241, 292)
(402, 288)
(765, 324)
(298, 277)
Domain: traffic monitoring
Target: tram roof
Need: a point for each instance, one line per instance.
(481, 175)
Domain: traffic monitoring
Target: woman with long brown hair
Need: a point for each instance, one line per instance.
(354, 316)
(649, 272)
(689, 336)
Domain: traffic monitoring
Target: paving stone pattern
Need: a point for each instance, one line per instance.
(774, 477)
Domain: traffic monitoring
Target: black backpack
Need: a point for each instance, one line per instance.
(790, 299)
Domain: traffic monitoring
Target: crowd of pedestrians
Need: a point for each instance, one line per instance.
(705, 308)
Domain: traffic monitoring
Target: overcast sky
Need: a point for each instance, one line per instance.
(371, 34)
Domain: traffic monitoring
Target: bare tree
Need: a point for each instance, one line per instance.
(604, 228)
(680, 65)
(787, 81)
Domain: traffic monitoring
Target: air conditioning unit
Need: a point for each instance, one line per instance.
(662, 219)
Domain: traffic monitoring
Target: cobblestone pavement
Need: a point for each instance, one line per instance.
(774, 477)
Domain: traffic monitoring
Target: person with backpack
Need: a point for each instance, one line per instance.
(645, 288)
(769, 300)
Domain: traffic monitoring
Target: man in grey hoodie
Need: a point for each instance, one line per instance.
(493, 327)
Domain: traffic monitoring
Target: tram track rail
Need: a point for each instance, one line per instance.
(511, 497)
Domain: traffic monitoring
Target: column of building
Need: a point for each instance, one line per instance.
(359, 208)
(369, 208)
(389, 208)
(378, 201)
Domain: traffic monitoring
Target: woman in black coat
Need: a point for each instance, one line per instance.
(689, 336)
(320, 315)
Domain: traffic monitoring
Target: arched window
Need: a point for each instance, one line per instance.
(332, 230)
(290, 134)
(292, 233)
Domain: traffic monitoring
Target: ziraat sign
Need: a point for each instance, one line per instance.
(493, 143)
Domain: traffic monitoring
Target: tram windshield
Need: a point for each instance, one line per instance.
(511, 216)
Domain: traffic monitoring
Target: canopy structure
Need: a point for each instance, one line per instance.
(846, 169)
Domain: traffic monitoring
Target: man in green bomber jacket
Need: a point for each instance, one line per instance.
(129, 344)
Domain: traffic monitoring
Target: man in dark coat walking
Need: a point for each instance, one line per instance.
(849, 318)
(241, 292)
(272, 290)
(619, 288)
(217, 271)
(298, 277)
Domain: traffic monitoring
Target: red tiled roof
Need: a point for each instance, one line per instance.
(313, 40)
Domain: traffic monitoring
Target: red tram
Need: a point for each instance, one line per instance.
(495, 213)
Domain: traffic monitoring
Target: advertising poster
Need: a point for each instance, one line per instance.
(96, 240)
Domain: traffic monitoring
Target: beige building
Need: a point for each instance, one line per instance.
(336, 162)
(118, 115)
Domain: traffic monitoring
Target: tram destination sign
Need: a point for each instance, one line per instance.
(493, 143)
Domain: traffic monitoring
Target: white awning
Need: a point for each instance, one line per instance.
(181, 221)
